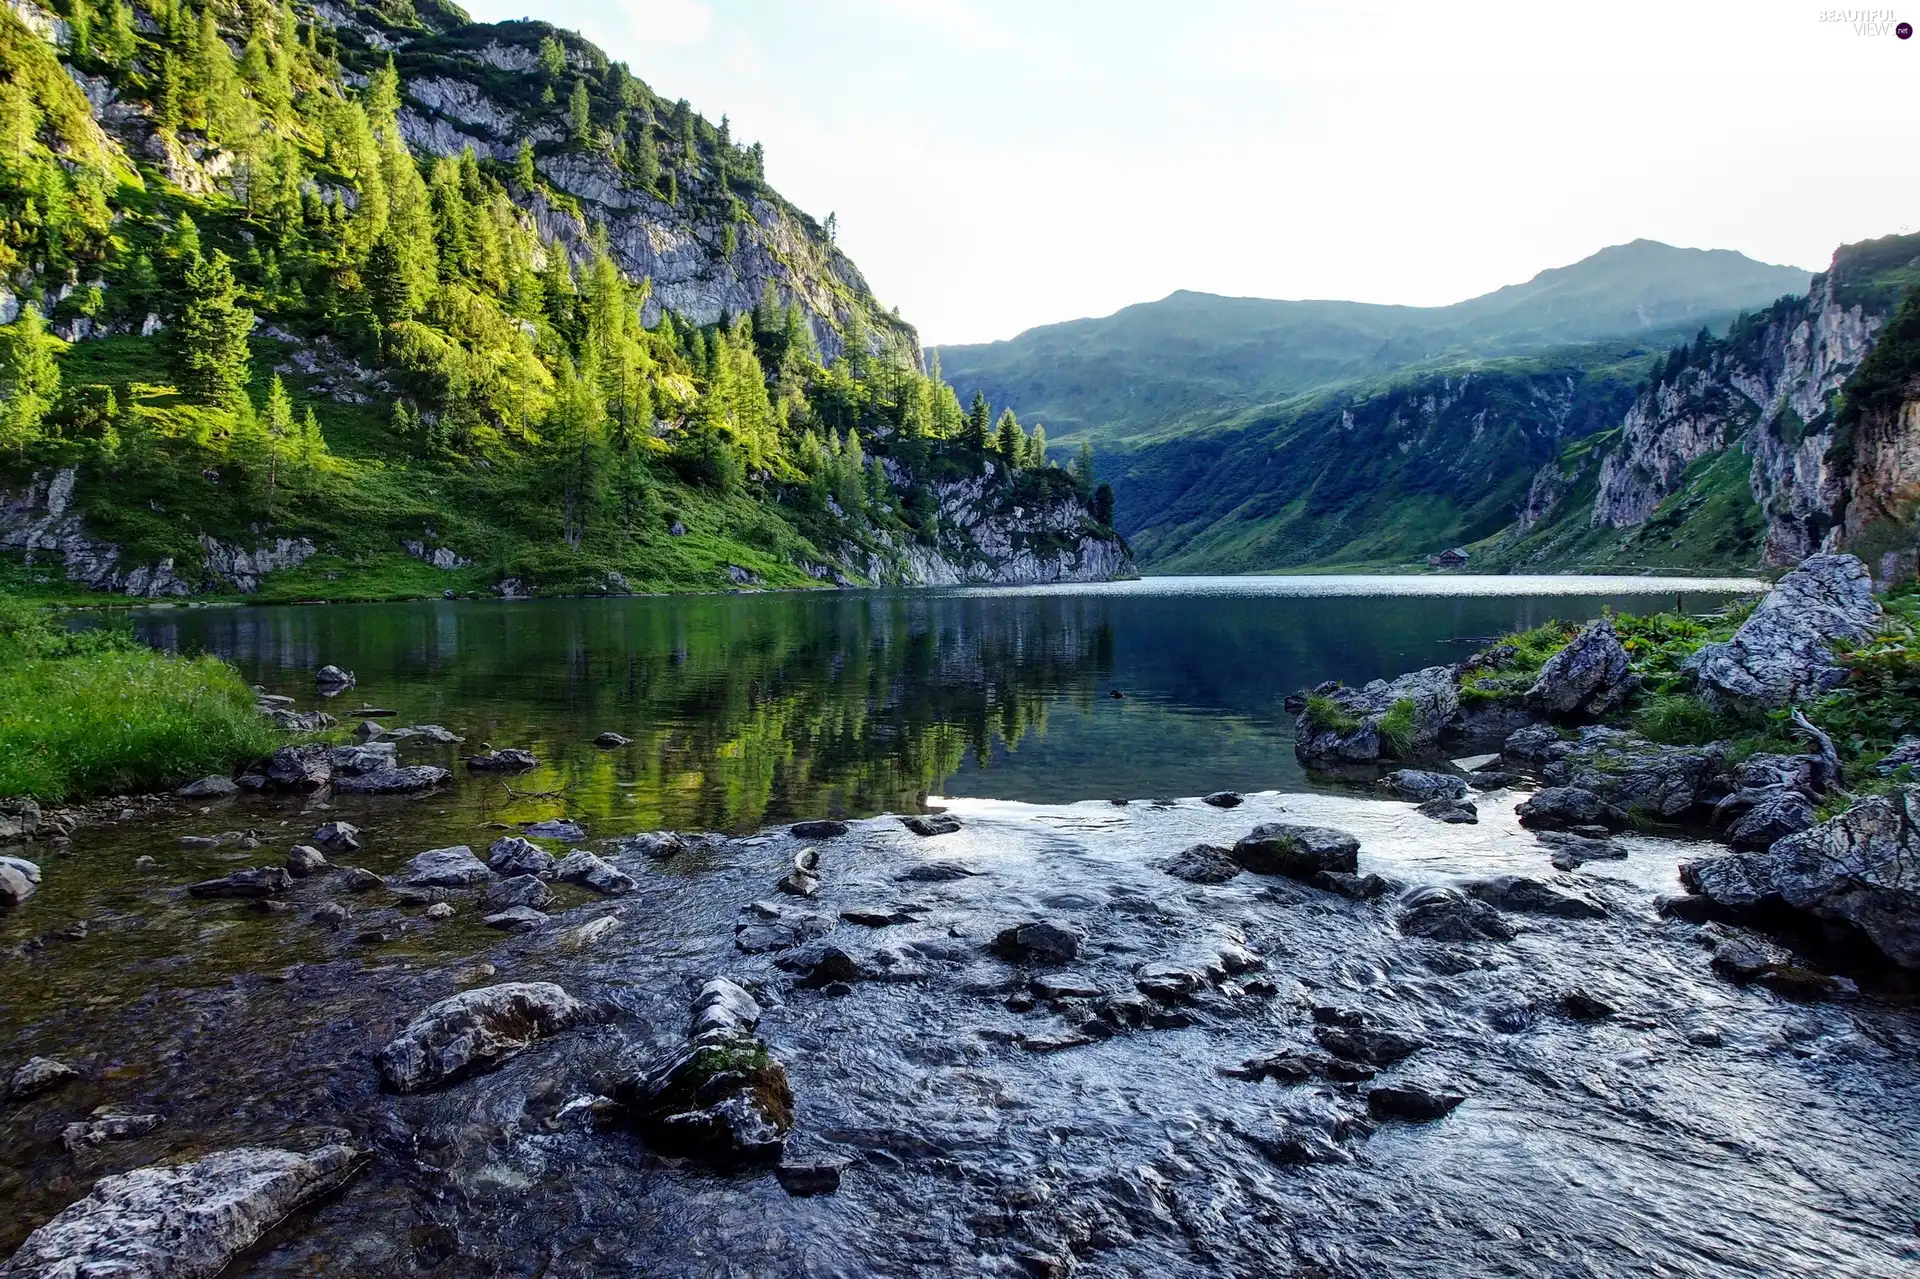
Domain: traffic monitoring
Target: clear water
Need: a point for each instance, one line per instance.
(1704, 1130)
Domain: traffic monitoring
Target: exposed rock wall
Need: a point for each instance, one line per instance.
(987, 536)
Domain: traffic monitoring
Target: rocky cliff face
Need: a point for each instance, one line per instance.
(990, 532)
(1882, 492)
(1769, 390)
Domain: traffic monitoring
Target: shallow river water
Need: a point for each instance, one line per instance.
(1702, 1129)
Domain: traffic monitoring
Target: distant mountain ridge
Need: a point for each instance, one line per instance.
(1190, 361)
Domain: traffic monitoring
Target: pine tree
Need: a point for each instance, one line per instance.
(1037, 448)
(580, 113)
(978, 416)
(523, 171)
(1083, 467)
(116, 43)
(553, 57)
(1103, 505)
(1009, 439)
(283, 436)
(210, 354)
(645, 153)
(30, 377)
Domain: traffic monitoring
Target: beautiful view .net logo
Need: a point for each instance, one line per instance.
(1869, 22)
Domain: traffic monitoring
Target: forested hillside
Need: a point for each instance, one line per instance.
(364, 299)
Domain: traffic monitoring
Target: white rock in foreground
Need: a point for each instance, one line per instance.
(474, 1030)
(179, 1221)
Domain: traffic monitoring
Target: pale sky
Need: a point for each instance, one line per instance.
(997, 164)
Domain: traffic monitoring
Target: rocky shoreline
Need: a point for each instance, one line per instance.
(1332, 1034)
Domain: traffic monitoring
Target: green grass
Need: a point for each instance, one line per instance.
(1323, 713)
(1398, 726)
(96, 712)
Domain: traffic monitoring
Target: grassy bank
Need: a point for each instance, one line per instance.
(96, 711)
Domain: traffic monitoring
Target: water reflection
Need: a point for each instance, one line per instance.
(758, 708)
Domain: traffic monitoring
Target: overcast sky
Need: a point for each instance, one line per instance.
(998, 164)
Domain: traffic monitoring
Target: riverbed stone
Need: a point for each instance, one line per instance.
(1224, 799)
(300, 768)
(1571, 851)
(333, 677)
(1590, 679)
(19, 880)
(1297, 852)
(1420, 785)
(370, 757)
(338, 837)
(1041, 941)
(931, 824)
(561, 828)
(583, 868)
(510, 759)
(722, 1099)
(612, 741)
(212, 786)
(104, 1125)
(519, 890)
(516, 919)
(1526, 896)
(331, 914)
(824, 829)
(304, 860)
(1202, 864)
(1447, 914)
(513, 855)
(254, 882)
(475, 1031)
(939, 872)
(393, 781)
(452, 867)
(1411, 1101)
(1452, 811)
(358, 879)
(39, 1075)
(177, 1221)
(1558, 807)
(1784, 651)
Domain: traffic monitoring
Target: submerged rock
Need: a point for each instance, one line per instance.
(1297, 852)
(827, 829)
(520, 890)
(175, 1221)
(1572, 851)
(562, 829)
(1447, 914)
(393, 781)
(1223, 799)
(580, 867)
(1589, 679)
(338, 837)
(1410, 1101)
(259, 881)
(370, 757)
(1202, 864)
(938, 872)
(1041, 941)
(931, 824)
(516, 919)
(39, 1075)
(1784, 651)
(511, 759)
(452, 867)
(612, 741)
(475, 1031)
(1531, 897)
(1454, 812)
(1857, 875)
(105, 1125)
(304, 860)
(333, 677)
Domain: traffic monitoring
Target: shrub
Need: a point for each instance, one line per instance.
(1681, 719)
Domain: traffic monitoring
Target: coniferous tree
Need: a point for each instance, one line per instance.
(1103, 505)
(210, 354)
(978, 418)
(1037, 448)
(580, 113)
(1009, 439)
(553, 58)
(31, 378)
(523, 172)
(1083, 467)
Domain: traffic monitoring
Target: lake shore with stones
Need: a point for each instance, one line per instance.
(1469, 1018)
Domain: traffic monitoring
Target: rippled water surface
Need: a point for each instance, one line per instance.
(1702, 1130)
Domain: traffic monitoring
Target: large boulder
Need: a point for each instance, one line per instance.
(368, 758)
(1632, 773)
(1858, 875)
(1297, 852)
(180, 1221)
(1419, 785)
(1041, 941)
(475, 1031)
(1202, 864)
(1563, 807)
(583, 868)
(513, 855)
(19, 880)
(1394, 720)
(1783, 652)
(1589, 679)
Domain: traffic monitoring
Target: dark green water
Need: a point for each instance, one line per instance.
(750, 709)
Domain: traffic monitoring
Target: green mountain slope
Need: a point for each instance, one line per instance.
(363, 300)
(1187, 363)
